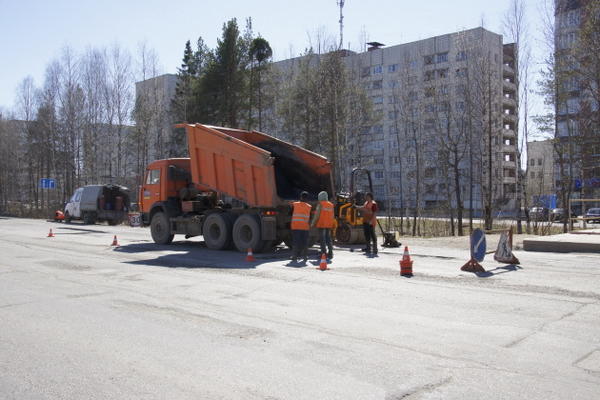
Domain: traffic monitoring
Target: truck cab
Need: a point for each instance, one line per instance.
(162, 183)
(73, 207)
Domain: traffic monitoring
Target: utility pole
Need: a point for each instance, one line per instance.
(341, 4)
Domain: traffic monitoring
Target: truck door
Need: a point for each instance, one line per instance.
(73, 206)
(150, 192)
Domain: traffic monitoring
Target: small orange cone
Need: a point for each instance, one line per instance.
(115, 243)
(250, 256)
(406, 263)
(323, 264)
(50, 234)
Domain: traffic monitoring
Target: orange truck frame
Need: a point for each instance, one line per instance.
(235, 189)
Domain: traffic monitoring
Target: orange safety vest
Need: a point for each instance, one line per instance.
(326, 215)
(301, 216)
(368, 215)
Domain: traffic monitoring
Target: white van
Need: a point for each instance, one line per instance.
(98, 203)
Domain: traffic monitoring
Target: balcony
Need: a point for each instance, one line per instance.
(508, 86)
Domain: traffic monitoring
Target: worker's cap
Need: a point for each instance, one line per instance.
(304, 195)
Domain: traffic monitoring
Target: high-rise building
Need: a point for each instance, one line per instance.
(577, 79)
(445, 121)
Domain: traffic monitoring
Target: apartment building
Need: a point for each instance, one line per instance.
(541, 171)
(577, 128)
(445, 116)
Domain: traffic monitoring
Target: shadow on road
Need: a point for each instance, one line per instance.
(498, 271)
(189, 255)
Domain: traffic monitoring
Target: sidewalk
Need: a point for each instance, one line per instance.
(587, 241)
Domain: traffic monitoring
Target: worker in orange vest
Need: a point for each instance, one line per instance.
(323, 220)
(369, 222)
(300, 226)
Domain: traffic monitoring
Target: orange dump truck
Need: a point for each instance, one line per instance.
(234, 190)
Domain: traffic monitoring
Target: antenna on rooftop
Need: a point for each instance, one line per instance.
(341, 4)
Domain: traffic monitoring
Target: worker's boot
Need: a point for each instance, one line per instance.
(374, 247)
(330, 254)
(367, 249)
(305, 253)
(295, 252)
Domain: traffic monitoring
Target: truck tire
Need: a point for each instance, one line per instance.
(112, 222)
(68, 217)
(160, 229)
(86, 217)
(246, 234)
(217, 231)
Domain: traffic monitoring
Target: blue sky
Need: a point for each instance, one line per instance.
(33, 32)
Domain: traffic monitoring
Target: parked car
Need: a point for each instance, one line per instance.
(558, 215)
(592, 215)
(538, 214)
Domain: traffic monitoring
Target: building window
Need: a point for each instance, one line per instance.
(394, 144)
(429, 92)
(412, 80)
(377, 85)
(392, 115)
(378, 100)
(539, 161)
(430, 108)
(442, 57)
(461, 55)
(394, 160)
(393, 130)
(377, 129)
(393, 99)
(378, 69)
(392, 68)
(428, 60)
(532, 175)
(443, 73)
(392, 84)
(461, 72)
(570, 18)
(378, 161)
(366, 71)
(378, 174)
(413, 64)
(428, 76)
(412, 96)
(532, 162)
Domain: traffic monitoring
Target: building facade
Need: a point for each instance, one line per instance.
(577, 74)
(444, 127)
(541, 175)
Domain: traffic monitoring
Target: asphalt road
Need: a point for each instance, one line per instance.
(82, 319)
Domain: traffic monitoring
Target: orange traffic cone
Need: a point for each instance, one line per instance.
(323, 264)
(115, 243)
(406, 263)
(250, 256)
(50, 234)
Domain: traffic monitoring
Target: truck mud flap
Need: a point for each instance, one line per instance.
(268, 227)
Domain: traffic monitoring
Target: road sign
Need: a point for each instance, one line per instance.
(478, 244)
(47, 183)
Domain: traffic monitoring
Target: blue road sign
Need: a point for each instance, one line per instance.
(46, 183)
(478, 244)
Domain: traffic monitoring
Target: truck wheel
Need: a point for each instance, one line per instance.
(246, 234)
(86, 218)
(68, 217)
(159, 229)
(217, 231)
(112, 222)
